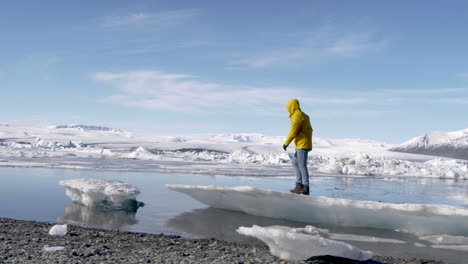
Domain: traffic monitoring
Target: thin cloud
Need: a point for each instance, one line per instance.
(354, 113)
(324, 44)
(161, 19)
(42, 60)
(462, 100)
(423, 91)
(155, 90)
(337, 101)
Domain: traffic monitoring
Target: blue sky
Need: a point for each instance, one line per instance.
(385, 70)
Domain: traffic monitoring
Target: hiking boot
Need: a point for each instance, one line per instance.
(304, 190)
(297, 189)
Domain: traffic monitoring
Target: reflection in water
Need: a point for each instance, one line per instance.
(218, 223)
(78, 214)
(221, 224)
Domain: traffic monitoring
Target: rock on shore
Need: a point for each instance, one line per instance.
(26, 241)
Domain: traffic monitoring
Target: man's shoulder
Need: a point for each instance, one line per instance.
(299, 114)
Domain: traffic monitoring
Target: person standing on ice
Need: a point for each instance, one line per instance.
(301, 133)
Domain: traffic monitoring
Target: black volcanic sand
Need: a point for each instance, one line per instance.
(23, 242)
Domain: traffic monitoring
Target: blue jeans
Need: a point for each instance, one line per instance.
(299, 162)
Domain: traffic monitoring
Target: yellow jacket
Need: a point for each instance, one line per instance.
(301, 130)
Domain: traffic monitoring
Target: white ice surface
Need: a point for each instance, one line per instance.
(365, 164)
(452, 247)
(258, 155)
(143, 154)
(445, 239)
(417, 218)
(352, 237)
(58, 230)
(302, 243)
(90, 191)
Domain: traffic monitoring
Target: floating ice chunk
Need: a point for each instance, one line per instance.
(352, 237)
(46, 248)
(58, 230)
(269, 158)
(143, 154)
(445, 239)
(96, 192)
(416, 244)
(416, 218)
(300, 244)
(452, 247)
(107, 153)
(364, 164)
(69, 144)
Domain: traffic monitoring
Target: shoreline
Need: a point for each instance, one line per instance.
(23, 242)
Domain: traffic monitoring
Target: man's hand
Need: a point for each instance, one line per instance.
(285, 147)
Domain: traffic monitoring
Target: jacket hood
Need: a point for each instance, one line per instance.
(292, 106)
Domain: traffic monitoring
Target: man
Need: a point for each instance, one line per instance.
(301, 133)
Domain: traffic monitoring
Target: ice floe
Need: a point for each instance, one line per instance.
(144, 154)
(445, 239)
(452, 247)
(104, 193)
(364, 164)
(352, 237)
(215, 153)
(302, 243)
(417, 218)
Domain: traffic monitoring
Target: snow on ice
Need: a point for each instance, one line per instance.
(64, 145)
(302, 243)
(445, 239)
(364, 164)
(352, 237)
(58, 230)
(416, 218)
(96, 192)
(143, 154)
(459, 243)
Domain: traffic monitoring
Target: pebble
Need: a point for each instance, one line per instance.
(86, 245)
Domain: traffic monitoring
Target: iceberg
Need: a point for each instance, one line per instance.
(417, 218)
(143, 154)
(367, 165)
(102, 193)
(302, 243)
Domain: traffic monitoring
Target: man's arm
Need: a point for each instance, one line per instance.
(296, 123)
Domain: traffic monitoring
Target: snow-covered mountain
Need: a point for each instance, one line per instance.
(86, 127)
(438, 143)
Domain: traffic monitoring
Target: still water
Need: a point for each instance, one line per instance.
(34, 194)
